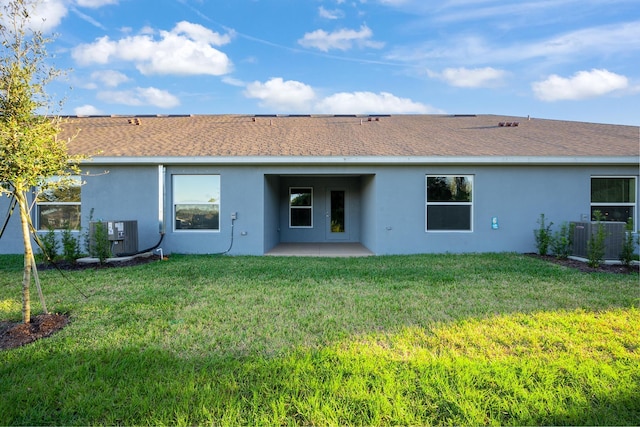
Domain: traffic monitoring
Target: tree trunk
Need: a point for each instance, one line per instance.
(21, 197)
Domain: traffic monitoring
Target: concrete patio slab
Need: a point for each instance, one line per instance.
(320, 250)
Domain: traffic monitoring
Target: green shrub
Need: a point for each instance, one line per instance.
(50, 246)
(562, 241)
(595, 244)
(628, 244)
(100, 247)
(70, 245)
(543, 235)
(86, 234)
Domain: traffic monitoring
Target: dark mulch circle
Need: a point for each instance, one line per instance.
(14, 334)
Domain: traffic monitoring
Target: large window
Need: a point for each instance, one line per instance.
(196, 202)
(449, 203)
(300, 207)
(614, 197)
(58, 204)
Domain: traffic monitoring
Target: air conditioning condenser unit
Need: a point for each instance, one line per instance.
(614, 237)
(123, 236)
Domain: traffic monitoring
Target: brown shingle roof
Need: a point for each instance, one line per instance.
(403, 135)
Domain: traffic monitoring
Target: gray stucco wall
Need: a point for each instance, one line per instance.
(271, 212)
(369, 216)
(241, 192)
(386, 205)
(11, 241)
(123, 193)
(514, 195)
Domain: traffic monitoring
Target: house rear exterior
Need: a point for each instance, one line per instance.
(395, 184)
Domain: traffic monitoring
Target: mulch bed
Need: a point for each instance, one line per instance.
(584, 267)
(67, 266)
(13, 334)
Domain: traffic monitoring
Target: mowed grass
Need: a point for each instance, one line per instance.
(494, 339)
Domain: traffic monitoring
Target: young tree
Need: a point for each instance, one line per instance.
(30, 151)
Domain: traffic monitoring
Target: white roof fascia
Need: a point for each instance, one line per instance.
(366, 160)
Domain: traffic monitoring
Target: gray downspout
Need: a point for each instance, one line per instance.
(162, 196)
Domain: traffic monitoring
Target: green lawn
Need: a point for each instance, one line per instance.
(498, 339)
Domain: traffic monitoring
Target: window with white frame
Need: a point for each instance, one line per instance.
(449, 202)
(196, 202)
(300, 207)
(614, 197)
(58, 204)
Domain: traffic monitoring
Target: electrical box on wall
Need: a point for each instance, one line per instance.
(118, 230)
(494, 223)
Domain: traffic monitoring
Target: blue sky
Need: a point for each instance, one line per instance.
(557, 59)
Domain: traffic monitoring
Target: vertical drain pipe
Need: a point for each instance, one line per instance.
(162, 195)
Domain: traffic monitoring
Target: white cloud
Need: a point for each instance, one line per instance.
(294, 96)
(330, 14)
(137, 97)
(369, 102)
(232, 81)
(457, 11)
(467, 49)
(45, 15)
(87, 110)
(471, 77)
(145, 30)
(280, 94)
(98, 52)
(109, 78)
(622, 38)
(89, 19)
(199, 33)
(394, 2)
(94, 4)
(185, 50)
(582, 85)
(343, 39)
